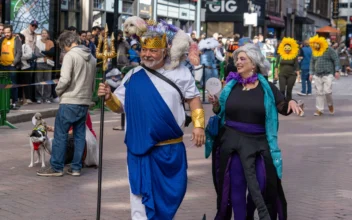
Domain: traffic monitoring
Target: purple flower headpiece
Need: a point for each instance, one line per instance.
(239, 79)
(164, 28)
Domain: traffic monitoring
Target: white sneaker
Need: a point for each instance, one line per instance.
(39, 102)
(301, 94)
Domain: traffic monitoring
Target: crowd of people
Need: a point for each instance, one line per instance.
(30, 58)
(300, 67)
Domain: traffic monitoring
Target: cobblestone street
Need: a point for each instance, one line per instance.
(317, 158)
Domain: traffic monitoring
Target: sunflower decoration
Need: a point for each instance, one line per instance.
(319, 45)
(288, 44)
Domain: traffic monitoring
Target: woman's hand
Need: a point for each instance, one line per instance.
(293, 105)
(213, 99)
(104, 90)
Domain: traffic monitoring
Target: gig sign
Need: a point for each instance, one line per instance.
(229, 6)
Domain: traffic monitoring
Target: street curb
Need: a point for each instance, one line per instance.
(27, 116)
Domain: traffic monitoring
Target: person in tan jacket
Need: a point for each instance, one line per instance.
(75, 89)
(45, 52)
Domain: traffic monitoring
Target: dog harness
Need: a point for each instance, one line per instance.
(36, 145)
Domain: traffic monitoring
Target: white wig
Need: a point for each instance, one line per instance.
(256, 56)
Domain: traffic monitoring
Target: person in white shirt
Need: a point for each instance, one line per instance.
(25, 93)
(268, 48)
(156, 158)
(44, 47)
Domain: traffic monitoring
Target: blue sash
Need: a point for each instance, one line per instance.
(158, 174)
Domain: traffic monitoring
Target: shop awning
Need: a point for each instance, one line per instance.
(303, 20)
(275, 21)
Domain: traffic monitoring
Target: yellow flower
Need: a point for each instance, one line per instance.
(289, 43)
(323, 45)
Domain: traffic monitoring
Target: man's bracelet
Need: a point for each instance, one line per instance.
(113, 103)
(198, 118)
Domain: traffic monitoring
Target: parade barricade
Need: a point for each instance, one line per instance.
(5, 100)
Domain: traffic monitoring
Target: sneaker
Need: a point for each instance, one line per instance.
(49, 172)
(309, 94)
(73, 172)
(317, 113)
(15, 107)
(29, 101)
(47, 101)
(331, 109)
(301, 94)
(39, 102)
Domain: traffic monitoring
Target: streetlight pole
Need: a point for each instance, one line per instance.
(250, 9)
(199, 2)
(57, 33)
(115, 28)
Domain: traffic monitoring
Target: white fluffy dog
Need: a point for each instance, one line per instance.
(134, 26)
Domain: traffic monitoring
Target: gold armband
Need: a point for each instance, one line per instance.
(198, 118)
(113, 103)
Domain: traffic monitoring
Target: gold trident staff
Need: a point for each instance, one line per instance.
(105, 55)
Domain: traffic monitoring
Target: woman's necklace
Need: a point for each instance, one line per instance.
(245, 88)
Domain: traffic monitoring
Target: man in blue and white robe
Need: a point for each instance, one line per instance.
(155, 118)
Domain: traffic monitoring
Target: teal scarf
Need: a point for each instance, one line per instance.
(271, 119)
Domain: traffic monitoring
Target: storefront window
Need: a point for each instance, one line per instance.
(98, 4)
(225, 28)
(127, 7)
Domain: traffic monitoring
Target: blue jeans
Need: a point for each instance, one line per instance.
(69, 115)
(306, 82)
(209, 73)
(13, 77)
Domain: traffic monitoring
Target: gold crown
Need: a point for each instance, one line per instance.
(154, 42)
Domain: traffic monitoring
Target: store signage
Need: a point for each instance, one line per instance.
(229, 6)
(232, 10)
(335, 9)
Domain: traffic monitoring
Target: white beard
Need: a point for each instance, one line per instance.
(151, 63)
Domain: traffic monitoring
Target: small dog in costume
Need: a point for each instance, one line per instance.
(39, 140)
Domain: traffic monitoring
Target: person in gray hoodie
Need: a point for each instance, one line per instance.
(75, 89)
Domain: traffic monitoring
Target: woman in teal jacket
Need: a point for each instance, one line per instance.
(245, 152)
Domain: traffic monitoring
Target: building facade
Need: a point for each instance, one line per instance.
(345, 10)
(226, 17)
(274, 23)
(181, 13)
(321, 13)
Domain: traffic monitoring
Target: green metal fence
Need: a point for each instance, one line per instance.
(5, 101)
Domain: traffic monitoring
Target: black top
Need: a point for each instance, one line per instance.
(248, 106)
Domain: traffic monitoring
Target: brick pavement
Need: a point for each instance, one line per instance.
(316, 153)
